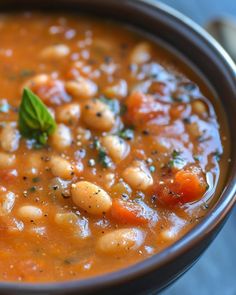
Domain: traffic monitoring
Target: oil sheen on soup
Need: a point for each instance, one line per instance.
(109, 147)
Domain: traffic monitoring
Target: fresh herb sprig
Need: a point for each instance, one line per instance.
(176, 160)
(35, 121)
(103, 158)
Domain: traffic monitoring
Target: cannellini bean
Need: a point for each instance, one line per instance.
(30, 212)
(118, 90)
(7, 160)
(83, 134)
(64, 219)
(61, 167)
(33, 164)
(138, 176)
(7, 201)
(116, 147)
(120, 241)
(199, 108)
(55, 51)
(97, 115)
(81, 88)
(68, 114)
(141, 53)
(61, 138)
(37, 80)
(91, 198)
(10, 138)
(109, 179)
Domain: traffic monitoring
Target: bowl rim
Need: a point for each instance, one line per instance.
(214, 217)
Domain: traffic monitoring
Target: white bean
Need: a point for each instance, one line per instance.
(7, 201)
(91, 198)
(116, 147)
(55, 51)
(10, 138)
(118, 90)
(141, 53)
(81, 88)
(97, 115)
(37, 80)
(199, 108)
(138, 176)
(30, 212)
(68, 114)
(120, 241)
(33, 164)
(61, 138)
(7, 160)
(61, 167)
(65, 219)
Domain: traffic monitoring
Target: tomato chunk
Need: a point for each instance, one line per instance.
(128, 212)
(141, 108)
(187, 186)
(8, 175)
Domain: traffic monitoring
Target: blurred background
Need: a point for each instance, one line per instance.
(215, 272)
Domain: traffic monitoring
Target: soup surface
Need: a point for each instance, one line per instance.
(108, 150)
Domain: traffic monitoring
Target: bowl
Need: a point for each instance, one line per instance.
(178, 31)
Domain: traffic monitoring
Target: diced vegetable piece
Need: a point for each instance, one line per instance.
(187, 186)
(190, 186)
(128, 212)
(141, 108)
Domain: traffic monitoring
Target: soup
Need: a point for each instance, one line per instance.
(109, 147)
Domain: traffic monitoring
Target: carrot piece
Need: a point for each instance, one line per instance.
(128, 212)
(190, 186)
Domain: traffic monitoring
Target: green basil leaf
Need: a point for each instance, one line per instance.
(35, 121)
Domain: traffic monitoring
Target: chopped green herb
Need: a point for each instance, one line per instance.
(103, 158)
(32, 189)
(176, 161)
(187, 120)
(123, 109)
(36, 179)
(217, 154)
(96, 144)
(102, 155)
(112, 103)
(35, 121)
(175, 154)
(177, 99)
(127, 134)
(26, 73)
(197, 157)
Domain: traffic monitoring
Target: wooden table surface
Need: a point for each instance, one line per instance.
(215, 272)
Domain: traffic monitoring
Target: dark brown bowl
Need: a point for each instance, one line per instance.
(185, 36)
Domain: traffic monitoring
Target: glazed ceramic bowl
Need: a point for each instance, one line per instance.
(180, 33)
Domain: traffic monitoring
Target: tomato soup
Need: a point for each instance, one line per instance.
(110, 147)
